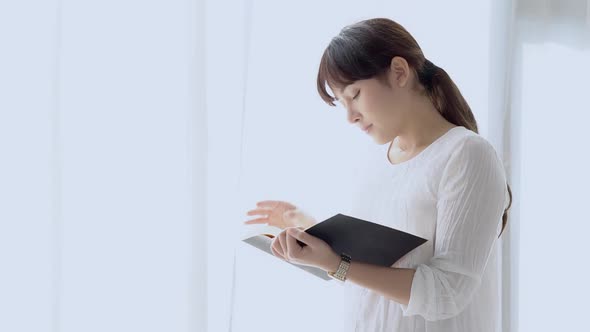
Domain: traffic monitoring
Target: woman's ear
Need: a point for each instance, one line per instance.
(399, 71)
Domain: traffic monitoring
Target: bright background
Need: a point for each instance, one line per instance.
(135, 135)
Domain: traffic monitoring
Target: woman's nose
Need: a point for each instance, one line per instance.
(353, 117)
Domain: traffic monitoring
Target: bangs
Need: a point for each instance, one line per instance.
(330, 74)
(348, 59)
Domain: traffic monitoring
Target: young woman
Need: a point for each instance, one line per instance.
(447, 185)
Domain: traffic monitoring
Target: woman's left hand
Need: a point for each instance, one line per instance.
(316, 253)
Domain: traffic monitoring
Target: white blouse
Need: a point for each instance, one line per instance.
(453, 194)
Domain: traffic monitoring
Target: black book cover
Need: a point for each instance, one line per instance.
(365, 241)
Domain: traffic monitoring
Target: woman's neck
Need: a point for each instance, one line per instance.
(424, 126)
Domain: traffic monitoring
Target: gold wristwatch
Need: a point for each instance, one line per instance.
(340, 274)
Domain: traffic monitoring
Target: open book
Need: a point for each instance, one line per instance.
(362, 240)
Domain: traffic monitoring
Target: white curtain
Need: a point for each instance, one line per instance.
(27, 173)
(102, 184)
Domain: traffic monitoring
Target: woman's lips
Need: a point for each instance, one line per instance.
(368, 129)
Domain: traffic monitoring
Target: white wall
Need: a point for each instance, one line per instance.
(550, 99)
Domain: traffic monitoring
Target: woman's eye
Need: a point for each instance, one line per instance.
(357, 94)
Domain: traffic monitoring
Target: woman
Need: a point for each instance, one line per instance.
(447, 185)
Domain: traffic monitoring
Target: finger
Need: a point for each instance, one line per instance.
(283, 243)
(258, 211)
(303, 236)
(273, 248)
(276, 247)
(276, 253)
(268, 204)
(256, 221)
(293, 248)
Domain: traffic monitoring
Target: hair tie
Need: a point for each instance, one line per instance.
(427, 73)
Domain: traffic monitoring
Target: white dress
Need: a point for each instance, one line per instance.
(453, 194)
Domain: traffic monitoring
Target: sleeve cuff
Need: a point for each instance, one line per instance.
(417, 293)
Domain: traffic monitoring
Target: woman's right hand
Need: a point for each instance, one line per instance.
(280, 214)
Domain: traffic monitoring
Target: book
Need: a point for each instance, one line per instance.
(362, 240)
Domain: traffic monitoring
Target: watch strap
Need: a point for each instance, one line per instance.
(340, 273)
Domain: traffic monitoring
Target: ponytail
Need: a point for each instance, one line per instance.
(449, 102)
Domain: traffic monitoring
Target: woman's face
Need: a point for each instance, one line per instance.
(372, 103)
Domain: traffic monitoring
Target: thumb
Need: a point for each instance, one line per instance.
(302, 236)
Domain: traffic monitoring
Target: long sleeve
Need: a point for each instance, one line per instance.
(472, 197)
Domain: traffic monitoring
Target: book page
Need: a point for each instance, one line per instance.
(264, 241)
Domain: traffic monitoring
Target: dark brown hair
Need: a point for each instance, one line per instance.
(364, 50)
